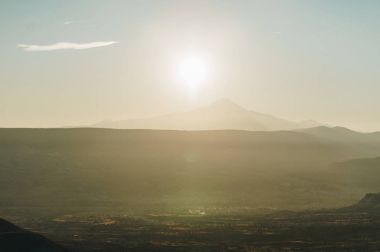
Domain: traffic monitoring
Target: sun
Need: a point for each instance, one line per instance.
(193, 71)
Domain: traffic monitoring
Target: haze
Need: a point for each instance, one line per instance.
(80, 62)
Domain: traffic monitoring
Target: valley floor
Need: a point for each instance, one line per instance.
(338, 230)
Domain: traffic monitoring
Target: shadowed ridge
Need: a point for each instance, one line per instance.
(16, 239)
(7, 227)
(369, 203)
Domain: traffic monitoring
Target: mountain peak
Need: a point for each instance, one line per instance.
(226, 104)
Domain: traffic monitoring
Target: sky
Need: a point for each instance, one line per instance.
(78, 62)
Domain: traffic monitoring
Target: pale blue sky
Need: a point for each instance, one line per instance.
(294, 59)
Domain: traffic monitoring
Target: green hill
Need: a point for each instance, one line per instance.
(84, 167)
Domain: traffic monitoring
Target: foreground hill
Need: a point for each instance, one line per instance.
(220, 115)
(105, 167)
(15, 239)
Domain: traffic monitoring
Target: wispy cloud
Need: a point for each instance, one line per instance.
(65, 46)
(69, 22)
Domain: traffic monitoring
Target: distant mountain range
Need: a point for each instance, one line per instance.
(222, 114)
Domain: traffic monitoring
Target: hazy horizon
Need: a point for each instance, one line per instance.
(189, 125)
(81, 62)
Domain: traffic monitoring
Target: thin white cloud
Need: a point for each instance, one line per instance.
(65, 46)
(69, 22)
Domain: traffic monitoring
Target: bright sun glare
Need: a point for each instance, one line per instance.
(193, 71)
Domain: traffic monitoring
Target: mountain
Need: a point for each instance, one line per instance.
(222, 114)
(15, 239)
